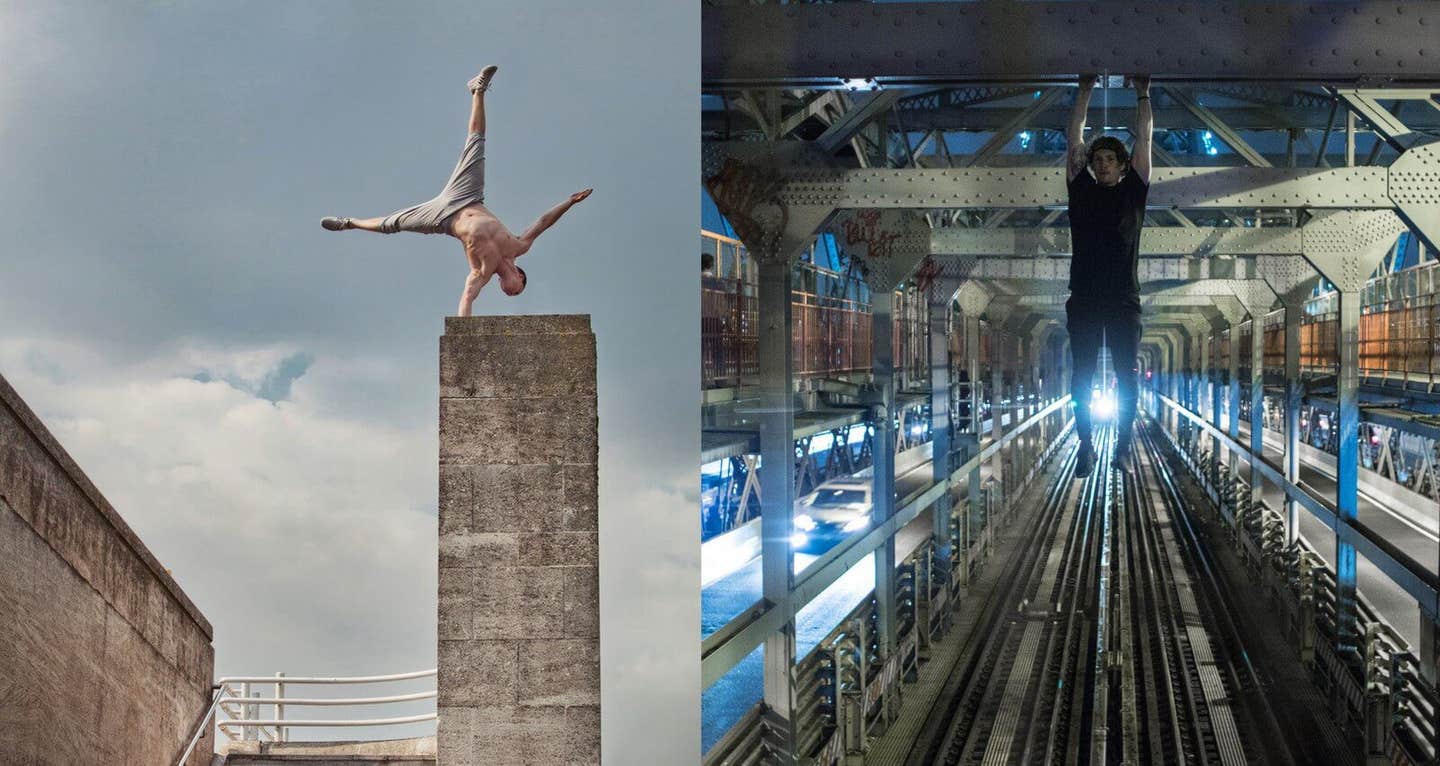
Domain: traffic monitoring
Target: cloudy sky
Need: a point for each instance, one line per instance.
(258, 396)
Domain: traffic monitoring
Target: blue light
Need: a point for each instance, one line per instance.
(1208, 139)
(1025, 139)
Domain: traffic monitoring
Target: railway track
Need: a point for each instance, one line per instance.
(1110, 640)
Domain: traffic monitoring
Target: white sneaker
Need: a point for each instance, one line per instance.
(481, 82)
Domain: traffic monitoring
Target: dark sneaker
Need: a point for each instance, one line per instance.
(335, 224)
(482, 81)
(1085, 463)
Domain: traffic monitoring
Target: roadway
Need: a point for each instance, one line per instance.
(1406, 530)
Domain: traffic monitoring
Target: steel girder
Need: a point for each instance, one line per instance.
(1345, 246)
(889, 243)
(924, 43)
(1365, 103)
(1028, 188)
(1414, 185)
(1057, 270)
(1154, 241)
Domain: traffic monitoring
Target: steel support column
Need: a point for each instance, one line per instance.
(972, 482)
(1177, 370)
(1293, 280)
(776, 417)
(1216, 392)
(1233, 400)
(996, 315)
(973, 300)
(882, 408)
(1346, 247)
(1202, 381)
(1257, 298)
(1257, 404)
(1347, 464)
(1294, 393)
(940, 435)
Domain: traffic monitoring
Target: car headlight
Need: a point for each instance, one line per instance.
(805, 522)
(798, 539)
(858, 522)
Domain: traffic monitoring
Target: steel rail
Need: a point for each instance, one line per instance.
(1225, 734)
(976, 664)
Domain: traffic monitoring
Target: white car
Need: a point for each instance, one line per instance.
(835, 509)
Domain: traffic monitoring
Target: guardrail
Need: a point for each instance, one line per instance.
(844, 688)
(1385, 697)
(240, 703)
(1413, 578)
(731, 643)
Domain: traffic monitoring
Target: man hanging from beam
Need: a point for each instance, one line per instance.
(460, 212)
(1107, 190)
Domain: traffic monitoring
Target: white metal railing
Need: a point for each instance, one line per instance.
(236, 706)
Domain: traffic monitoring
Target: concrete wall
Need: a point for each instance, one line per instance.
(103, 659)
(519, 615)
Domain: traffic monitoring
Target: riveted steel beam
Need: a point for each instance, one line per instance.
(1346, 246)
(1290, 276)
(888, 243)
(1414, 186)
(1358, 187)
(1151, 270)
(916, 43)
(1365, 103)
(853, 121)
(1218, 127)
(1154, 240)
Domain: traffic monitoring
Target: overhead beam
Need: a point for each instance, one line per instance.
(849, 124)
(1210, 188)
(1366, 105)
(1057, 269)
(1217, 126)
(1181, 241)
(1055, 117)
(917, 43)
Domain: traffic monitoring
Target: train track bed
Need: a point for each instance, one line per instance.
(1111, 639)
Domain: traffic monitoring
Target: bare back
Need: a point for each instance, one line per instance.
(487, 242)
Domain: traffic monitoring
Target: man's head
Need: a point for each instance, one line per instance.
(1108, 160)
(512, 278)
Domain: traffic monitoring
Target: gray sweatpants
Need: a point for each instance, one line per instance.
(465, 187)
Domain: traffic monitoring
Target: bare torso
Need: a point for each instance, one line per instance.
(487, 242)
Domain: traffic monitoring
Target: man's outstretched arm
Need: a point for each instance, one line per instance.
(1144, 127)
(1075, 132)
(549, 217)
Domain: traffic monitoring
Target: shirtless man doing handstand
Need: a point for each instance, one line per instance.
(460, 211)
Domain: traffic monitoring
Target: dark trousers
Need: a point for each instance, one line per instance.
(1116, 323)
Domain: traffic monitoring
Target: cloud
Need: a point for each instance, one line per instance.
(306, 536)
(273, 385)
(644, 575)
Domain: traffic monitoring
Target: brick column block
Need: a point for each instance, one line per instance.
(519, 606)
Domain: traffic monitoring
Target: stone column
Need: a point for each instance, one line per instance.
(519, 607)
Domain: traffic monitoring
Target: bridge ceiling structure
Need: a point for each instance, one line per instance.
(1266, 115)
(913, 44)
